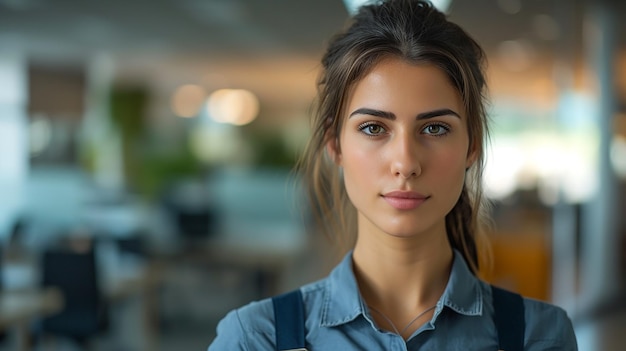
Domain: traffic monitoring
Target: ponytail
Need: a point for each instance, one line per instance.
(465, 233)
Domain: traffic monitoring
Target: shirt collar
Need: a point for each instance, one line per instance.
(342, 300)
(463, 293)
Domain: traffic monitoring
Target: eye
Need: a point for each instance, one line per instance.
(372, 129)
(436, 129)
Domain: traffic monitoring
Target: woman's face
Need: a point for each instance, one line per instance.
(403, 148)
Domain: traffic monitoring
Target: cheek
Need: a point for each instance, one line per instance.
(359, 163)
(452, 160)
(354, 153)
(449, 165)
(356, 162)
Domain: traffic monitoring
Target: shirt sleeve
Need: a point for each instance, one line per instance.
(549, 328)
(230, 334)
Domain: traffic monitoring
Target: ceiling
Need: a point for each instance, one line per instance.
(271, 47)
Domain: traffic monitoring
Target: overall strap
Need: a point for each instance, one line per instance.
(509, 319)
(289, 321)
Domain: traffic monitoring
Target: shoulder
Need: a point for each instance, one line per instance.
(251, 327)
(547, 327)
(246, 328)
(314, 291)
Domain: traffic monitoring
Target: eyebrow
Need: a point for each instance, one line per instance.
(390, 115)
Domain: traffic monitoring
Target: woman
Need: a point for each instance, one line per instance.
(394, 165)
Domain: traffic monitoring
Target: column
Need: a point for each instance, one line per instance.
(599, 252)
(14, 152)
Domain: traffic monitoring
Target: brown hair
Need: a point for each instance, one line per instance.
(412, 30)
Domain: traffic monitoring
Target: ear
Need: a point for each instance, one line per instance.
(333, 149)
(472, 156)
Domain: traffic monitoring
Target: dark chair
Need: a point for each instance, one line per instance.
(194, 220)
(134, 244)
(85, 314)
(196, 223)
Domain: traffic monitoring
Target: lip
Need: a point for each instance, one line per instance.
(404, 200)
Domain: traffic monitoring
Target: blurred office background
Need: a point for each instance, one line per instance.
(146, 150)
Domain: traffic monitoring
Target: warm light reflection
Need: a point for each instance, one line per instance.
(187, 100)
(515, 55)
(233, 106)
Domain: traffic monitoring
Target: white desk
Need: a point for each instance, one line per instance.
(264, 248)
(19, 308)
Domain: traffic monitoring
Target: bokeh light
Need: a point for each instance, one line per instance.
(187, 100)
(233, 106)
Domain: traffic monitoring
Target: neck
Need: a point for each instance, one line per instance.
(402, 275)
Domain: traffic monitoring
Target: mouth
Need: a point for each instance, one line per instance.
(404, 200)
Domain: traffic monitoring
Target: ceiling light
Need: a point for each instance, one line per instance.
(353, 5)
(187, 100)
(233, 106)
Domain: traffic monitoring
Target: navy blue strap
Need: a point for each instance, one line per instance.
(289, 321)
(509, 319)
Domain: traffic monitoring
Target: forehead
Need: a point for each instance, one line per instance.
(399, 86)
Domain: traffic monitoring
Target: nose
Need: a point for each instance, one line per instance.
(404, 155)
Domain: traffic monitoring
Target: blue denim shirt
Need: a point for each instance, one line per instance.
(338, 319)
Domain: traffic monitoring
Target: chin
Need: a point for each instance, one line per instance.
(412, 226)
(403, 230)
